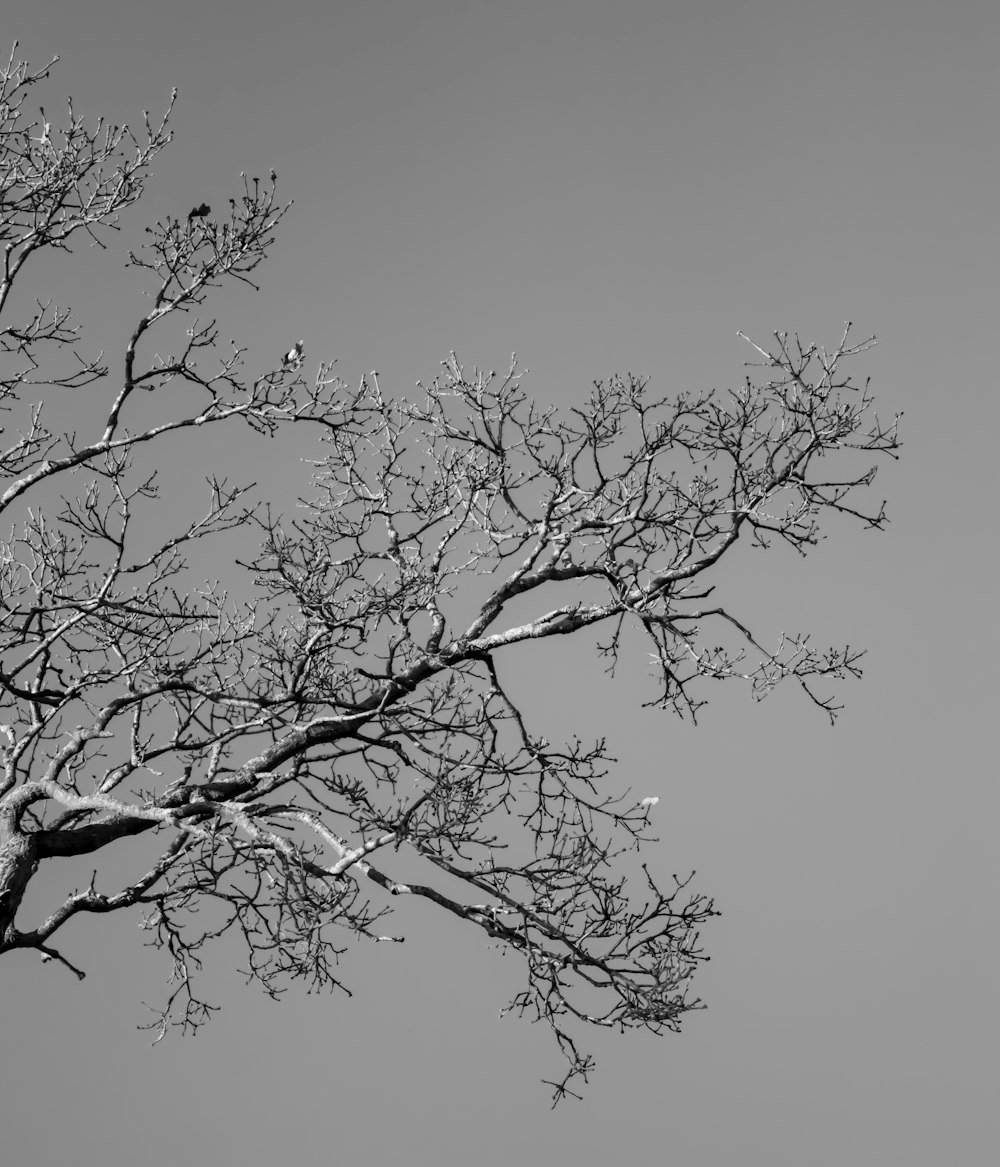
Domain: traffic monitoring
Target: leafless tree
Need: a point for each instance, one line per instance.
(277, 749)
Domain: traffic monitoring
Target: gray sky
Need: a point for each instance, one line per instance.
(609, 187)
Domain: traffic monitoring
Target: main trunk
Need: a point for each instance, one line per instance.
(18, 862)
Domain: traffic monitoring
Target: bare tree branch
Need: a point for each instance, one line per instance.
(351, 690)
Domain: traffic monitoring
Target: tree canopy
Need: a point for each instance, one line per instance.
(277, 735)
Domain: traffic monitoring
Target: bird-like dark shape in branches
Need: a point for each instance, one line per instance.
(199, 212)
(293, 358)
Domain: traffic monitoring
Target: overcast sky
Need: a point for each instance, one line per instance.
(606, 187)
